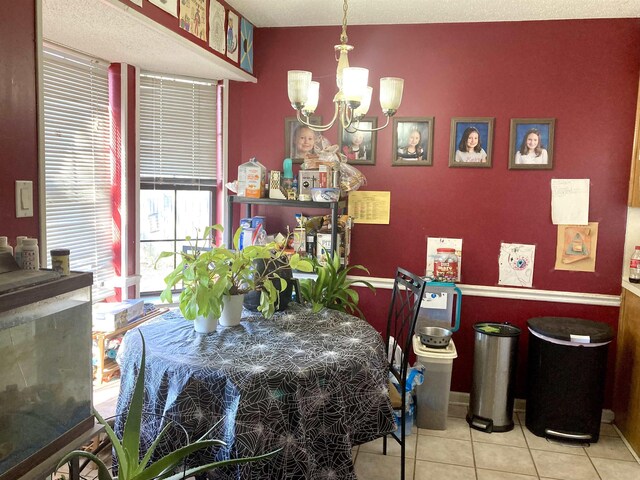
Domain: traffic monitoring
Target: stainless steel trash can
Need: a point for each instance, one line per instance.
(495, 354)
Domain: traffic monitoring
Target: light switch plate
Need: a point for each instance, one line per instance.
(24, 198)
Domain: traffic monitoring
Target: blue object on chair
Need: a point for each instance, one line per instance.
(408, 290)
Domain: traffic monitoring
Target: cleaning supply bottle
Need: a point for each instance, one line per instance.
(30, 254)
(18, 251)
(4, 246)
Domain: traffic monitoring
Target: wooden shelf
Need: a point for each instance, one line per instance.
(107, 367)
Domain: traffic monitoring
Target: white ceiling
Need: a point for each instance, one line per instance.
(289, 13)
(109, 30)
(112, 31)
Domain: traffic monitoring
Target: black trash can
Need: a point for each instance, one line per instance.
(495, 354)
(566, 372)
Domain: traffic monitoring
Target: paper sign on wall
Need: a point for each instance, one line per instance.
(570, 201)
(576, 247)
(434, 243)
(516, 264)
(369, 207)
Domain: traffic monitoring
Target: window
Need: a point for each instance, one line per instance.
(177, 169)
(77, 164)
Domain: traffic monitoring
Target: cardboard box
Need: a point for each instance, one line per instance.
(108, 317)
(252, 179)
(323, 244)
(308, 179)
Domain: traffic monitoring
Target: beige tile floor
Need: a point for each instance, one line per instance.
(461, 453)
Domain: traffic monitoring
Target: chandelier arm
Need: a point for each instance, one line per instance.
(357, 129)
(318, 128)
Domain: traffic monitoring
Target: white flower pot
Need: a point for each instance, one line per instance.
(231, 311)
(205, 324)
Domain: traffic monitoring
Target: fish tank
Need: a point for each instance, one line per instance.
(45, 367)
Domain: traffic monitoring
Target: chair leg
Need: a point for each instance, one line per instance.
(384, 445)
(402, 443)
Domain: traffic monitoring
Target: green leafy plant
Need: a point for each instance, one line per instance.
(207, 276)
(332, 289)
(132, 464)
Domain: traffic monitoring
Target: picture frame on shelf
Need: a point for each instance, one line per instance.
(531, 143)
(360, 146)
(412, 141)
(296, 148)
(471, 142)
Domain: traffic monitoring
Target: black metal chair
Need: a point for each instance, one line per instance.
(408, 290)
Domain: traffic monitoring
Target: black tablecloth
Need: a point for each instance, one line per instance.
(311, 384)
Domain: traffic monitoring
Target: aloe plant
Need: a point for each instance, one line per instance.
(127, 451)
(332, 289)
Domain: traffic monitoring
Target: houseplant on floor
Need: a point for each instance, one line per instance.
(332, 289)
(215, 280)
(132, 464)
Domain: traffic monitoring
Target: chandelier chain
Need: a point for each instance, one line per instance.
(343, 36)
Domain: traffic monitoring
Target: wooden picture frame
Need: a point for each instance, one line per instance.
(406, 132)
(291, 126)
(531, 143)
(471, 142)
(360, 147)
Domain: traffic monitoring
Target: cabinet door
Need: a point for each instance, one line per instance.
(626, 402)
(634, 180)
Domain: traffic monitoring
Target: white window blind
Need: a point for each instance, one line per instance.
(77, 164)
(177, 131)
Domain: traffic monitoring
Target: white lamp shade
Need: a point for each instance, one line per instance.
(298, 86)
(391, 93)
(362, 110)
(354, 83)
(313, 95)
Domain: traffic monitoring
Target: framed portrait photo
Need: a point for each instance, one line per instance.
(471, 142)
(531, 143)
(299, 139)
(412, 141)
(360, 147)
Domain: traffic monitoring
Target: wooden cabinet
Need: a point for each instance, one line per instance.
(626, 402)
(634, 180)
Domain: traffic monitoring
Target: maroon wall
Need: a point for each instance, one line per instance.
(583, 73)
(18, 115)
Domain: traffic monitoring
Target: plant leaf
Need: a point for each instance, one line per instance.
(131, 433)
(103, 471)
(222, 463)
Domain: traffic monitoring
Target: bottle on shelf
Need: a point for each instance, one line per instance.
(4, 246)
(18, 251)
(30, 254)
(634, 266)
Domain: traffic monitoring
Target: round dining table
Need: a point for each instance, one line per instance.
(313, 385)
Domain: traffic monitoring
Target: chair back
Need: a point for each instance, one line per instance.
(408, 290)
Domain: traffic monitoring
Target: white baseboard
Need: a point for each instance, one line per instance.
(462, 398)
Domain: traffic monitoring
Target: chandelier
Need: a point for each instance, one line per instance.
(353, 97)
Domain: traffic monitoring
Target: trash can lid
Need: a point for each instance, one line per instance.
(497, 329)
(571, 329)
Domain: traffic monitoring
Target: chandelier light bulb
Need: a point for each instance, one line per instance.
(354, 83)
(365, 103)
(313, 95)
(391, 94)
(298, 87)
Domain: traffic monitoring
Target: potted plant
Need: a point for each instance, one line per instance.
(131, 463)
(215, 280)
(332, 289)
